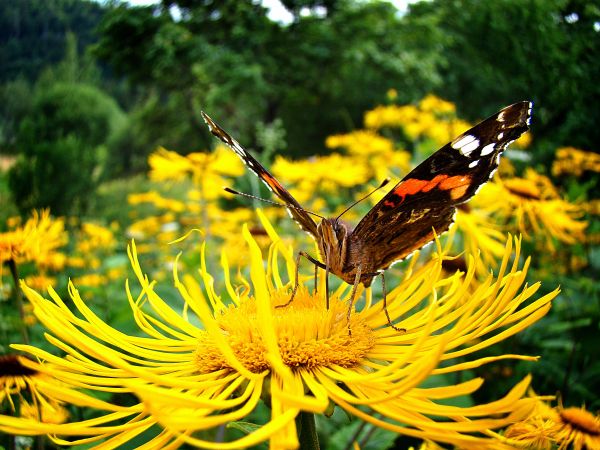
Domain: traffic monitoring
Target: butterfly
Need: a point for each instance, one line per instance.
(419, 207)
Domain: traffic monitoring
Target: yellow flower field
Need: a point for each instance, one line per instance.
(174, 328)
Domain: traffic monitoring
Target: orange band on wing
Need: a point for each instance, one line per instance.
(457, 185)
(438, 180)
(272, 182)
(455, 182)
(410, 186)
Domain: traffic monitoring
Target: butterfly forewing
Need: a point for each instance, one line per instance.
(296, 211)
(426, 199)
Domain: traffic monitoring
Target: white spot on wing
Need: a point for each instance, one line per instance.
(462, 141)
(469, 148)
(488, 149)
(473, 164)
(500, 135)
(498, 159)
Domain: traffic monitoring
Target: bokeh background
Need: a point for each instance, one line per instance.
(101, 141)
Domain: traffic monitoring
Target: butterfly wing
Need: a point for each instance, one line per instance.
(294, 208)
(426, 198)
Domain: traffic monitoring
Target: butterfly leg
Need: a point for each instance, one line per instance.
(316, 274)
(327, 281)
(296, 277)
(352, 294)
(387, 314)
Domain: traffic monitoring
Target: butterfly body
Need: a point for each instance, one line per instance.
(417, 208)
(341, 253)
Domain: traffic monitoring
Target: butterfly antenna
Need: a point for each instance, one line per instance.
(243, 194)
(383, 183)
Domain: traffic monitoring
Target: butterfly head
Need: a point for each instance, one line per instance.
(332, 237)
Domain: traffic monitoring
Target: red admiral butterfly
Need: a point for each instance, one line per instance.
(405, 219)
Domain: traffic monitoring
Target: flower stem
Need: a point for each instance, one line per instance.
(19, 297)
(309, 440)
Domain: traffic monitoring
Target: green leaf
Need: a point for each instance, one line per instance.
(244, 427)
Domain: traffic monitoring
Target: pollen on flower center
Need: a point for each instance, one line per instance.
(582, 420)
(308, 335)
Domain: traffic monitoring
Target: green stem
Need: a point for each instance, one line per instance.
(307, 431)
(19, 297)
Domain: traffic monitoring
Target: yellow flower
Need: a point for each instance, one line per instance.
(29, 318)
(152, 226)
(392, 94)
(225, 225)
(578, 428)
(40, 282)
(430, 445)
(166, 165)
(220, 161)
(572, 161)
(533, 185)
(95, 237)
(524, 140)
(591, 207)
(90, 280)
(300, 359)
(18, 381)
(47, 412)
(536, 208)
(157, 200)
(361, 142)
(442, 132)
(143, 197)
(432, 103)
(116, 273)
(532, 434)
(38, 240)
(558, 427)
(506, 169)
(480, 234)
(433, 118)
(321, 173)
(373, 152)
(206, 170)
(76, 261)
(390, 116)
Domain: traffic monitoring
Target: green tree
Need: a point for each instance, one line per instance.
(33, 33)
(495, 53)
(73, 68)
(318, 74)
(15, 104)
(16, 95)
(62, 147)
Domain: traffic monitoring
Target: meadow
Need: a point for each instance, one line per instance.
(144, 306)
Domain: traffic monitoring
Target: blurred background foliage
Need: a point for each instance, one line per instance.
(90, 91)
(165, 62)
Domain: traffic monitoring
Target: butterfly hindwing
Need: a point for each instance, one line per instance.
(426, 198)
(295, 209)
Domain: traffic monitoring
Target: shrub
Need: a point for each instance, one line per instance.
(62, 145)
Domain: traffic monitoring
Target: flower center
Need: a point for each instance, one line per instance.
(581, 420)
(527, 192)
(11, 366)
(308, 335)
